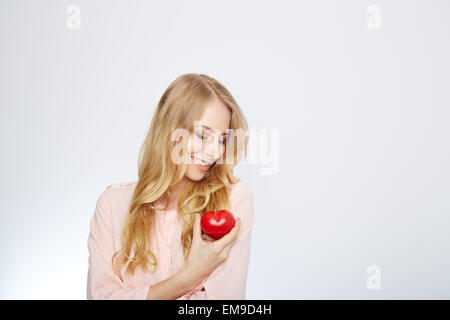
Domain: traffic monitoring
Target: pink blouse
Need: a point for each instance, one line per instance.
(227, 281)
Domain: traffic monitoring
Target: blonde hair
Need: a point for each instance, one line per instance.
(182, 102)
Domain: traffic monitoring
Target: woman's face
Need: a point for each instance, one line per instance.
(207, 143)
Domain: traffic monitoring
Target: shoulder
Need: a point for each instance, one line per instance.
(242, 204)
(118, 194)
(112, 205)
(124, 185)
(117, 188)
(240, 191)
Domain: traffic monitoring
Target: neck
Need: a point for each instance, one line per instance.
(175, 192)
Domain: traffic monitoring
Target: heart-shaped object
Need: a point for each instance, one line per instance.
(217, 224)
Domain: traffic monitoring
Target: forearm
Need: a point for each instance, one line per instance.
(173, 287)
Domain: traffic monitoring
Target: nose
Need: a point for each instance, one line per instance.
(212, 150)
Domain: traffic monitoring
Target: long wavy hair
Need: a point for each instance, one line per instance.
(181, 104)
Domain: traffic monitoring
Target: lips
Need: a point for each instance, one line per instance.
(200, 161)
(199, 164)
(202, 167)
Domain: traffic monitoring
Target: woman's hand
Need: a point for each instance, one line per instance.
(207, 253)
(207, 238)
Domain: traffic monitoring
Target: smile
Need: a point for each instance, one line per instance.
(201, 164)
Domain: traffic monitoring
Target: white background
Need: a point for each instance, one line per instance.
(362, 114)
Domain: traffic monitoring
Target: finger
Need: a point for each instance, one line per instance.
(227, 248)
(236, 228)
(207, 238)
(230, 236)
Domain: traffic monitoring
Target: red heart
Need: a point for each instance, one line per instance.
(217, 224)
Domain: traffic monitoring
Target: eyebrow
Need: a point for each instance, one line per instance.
(212, 130)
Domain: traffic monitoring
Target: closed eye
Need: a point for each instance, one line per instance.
(204, 137)
(200, 136)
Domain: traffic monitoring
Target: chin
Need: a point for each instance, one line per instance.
(194, 174)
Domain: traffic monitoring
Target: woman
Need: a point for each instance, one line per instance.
(145, 238)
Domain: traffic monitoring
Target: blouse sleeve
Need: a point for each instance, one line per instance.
(228, 281)
(102, 282)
